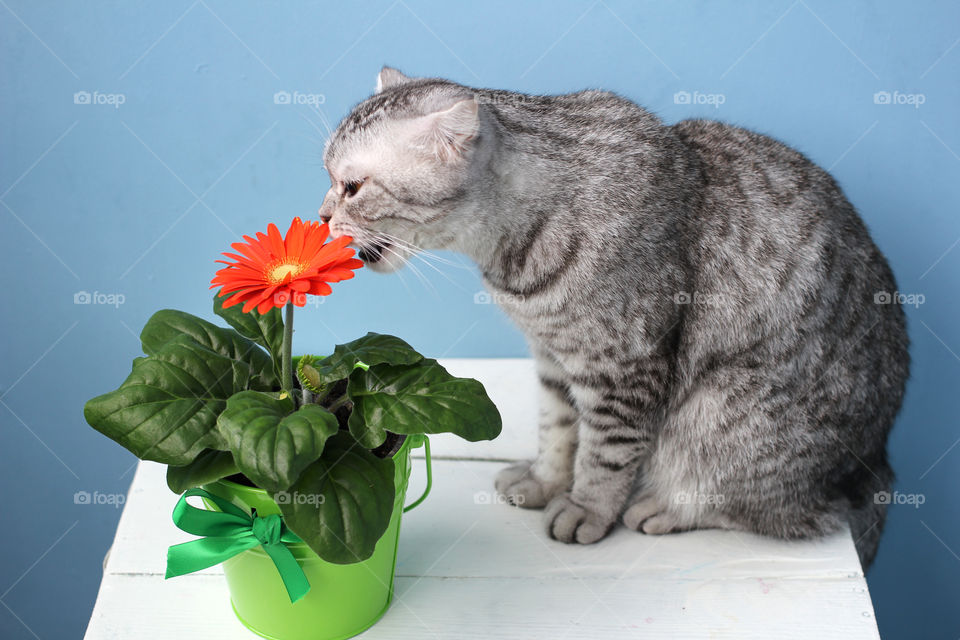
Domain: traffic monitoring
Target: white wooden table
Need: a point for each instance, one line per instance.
(472, 567)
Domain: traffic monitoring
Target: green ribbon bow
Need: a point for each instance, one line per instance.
(228, 532)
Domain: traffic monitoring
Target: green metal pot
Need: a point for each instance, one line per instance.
(344, 599)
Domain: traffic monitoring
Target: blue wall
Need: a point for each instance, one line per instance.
(137, 200)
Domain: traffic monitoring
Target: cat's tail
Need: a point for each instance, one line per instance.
(868, 512)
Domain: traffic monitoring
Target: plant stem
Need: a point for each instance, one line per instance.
(286, 356)
(341, 401)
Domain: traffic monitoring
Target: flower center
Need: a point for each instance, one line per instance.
(282, 271)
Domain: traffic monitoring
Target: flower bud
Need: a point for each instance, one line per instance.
(309, 376)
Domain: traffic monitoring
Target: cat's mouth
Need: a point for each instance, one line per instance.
(381, 255)
(373, 253)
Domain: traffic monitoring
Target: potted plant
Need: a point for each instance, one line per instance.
(298, 466)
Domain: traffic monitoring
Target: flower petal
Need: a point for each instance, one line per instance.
(301, 285)
(276, 241)
(320, 288)
(294, 239)
(266, 305)
(314, 240)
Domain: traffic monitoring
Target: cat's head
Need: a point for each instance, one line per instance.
(399, 167)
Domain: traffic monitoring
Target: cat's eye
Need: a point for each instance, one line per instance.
(350, 188)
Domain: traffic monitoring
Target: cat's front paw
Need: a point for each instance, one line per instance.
(568, 521)
(518, 484)
(647, 514)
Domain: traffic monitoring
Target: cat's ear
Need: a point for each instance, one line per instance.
(390, 77)
(447, 133)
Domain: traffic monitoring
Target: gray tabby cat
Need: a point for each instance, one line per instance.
(701, 302)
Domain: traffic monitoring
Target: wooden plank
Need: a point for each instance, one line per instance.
(147, 606)
(146, 529)
(463, 530)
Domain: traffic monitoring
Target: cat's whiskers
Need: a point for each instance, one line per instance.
(417, 252)
(404, 282)
(385, 244)
(421, 252)
(420, 275)
(399, 272)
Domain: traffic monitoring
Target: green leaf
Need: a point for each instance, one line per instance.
(342, 503)
(168, 324)
(210, 466)
(264, 329)
(166, 410)
(271, 443)
(419, 398)
(371, 349)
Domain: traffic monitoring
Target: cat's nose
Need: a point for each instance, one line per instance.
(325, 212)
(326, 207)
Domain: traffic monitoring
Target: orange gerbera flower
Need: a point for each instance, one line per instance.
(273, 270)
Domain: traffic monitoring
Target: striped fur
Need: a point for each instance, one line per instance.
(700, 300)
